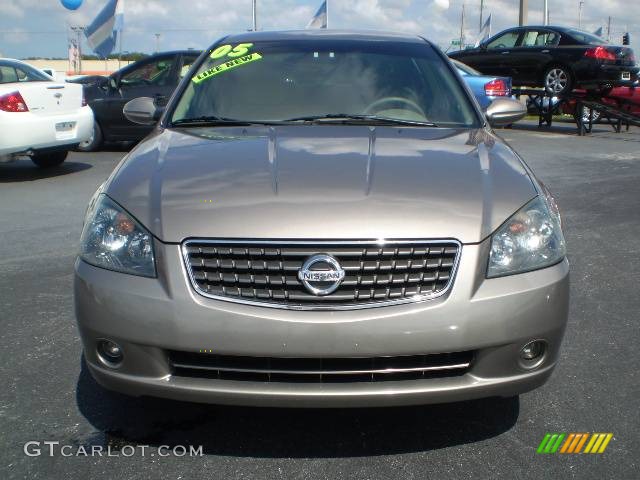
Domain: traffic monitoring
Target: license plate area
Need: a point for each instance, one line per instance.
(65, 130)
(65, 126)
(626, 75)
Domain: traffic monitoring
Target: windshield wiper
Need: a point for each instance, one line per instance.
(210, 121)
(345, 118)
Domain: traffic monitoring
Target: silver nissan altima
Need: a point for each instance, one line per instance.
(322, 219)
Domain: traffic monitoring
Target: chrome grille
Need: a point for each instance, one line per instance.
(266, 272)
(318, 370)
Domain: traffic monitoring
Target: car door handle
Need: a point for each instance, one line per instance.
(545, 51)
(506, 53)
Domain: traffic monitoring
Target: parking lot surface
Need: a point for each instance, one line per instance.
(49, 396)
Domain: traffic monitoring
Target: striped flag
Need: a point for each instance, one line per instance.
(103, 32)
(319, 20)
(485, 32)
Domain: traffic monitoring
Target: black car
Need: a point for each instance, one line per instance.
(156, 76)
(556, 58)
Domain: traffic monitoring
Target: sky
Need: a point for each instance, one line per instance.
(39, 28)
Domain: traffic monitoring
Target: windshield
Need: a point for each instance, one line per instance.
(284, 81)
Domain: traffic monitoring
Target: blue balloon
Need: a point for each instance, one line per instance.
(71, 4)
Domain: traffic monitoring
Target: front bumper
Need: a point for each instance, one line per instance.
(494, 318)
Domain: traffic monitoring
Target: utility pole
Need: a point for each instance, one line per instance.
(609, 30)
(157, 42)
(255, 16)
(327, 13)
(462, 28)
(524, 12)
(545, 20)
(580, 5)
(481, 8)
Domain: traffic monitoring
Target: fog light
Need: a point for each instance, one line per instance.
(110, 352)
(532, 350)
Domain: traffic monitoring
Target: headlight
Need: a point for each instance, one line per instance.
(529, 240)
(112, 239)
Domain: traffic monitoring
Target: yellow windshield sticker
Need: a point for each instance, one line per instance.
(223, 67)
(229, 51)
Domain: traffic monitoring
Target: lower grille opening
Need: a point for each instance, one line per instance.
(318, 370)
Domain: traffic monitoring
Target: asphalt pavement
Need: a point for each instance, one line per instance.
(47, 395)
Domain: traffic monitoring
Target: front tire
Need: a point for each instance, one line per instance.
(557, 80)
(94, 142)
(48, 160)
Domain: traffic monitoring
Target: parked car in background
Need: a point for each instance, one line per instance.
(39, 117)
(558, 59)
(486, 89)
(155, 76)
(626, 99)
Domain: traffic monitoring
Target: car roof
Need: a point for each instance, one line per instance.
(14, 60)
(549, 27)
(324, 34)
(173, 52)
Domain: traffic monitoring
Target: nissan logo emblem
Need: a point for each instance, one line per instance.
(321, 274)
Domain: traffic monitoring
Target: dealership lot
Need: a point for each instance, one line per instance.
(49, 396)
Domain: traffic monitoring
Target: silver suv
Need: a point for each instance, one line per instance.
(322, 218)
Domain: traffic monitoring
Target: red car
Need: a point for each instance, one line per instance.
(628, 98)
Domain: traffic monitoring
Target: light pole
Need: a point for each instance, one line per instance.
(255, 17)
(524, 12)
(78, 31)
(157, 42)
(580, 5)
(545, 20)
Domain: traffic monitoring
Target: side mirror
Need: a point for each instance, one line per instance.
(505, 111)
(142, 110)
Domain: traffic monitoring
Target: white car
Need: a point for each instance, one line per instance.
(39, 117)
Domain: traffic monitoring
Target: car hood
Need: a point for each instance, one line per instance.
(321, 182)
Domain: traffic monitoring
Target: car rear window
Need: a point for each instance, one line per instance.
(587, 38)
(12, 73)
(280, 80)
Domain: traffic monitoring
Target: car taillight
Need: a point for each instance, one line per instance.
(600, 53)
(497, 88)
(13, 102)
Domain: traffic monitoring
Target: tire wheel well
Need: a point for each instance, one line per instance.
(566, 68)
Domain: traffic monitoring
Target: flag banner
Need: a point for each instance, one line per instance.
(319, 20)
(103, 32)
(485, 32)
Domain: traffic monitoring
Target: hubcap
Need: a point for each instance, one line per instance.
(585, 115)
(556, 80)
